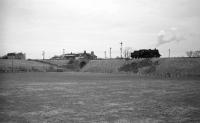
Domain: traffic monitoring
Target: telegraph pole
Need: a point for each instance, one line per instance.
(63, 52)
(12, 63)
(121, 49)
(110, 52)
(43, 54)
(105, 54)
(169, 53)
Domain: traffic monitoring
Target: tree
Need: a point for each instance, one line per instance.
(127, 52)
(193, 53)
(189, 53)
(196, 53)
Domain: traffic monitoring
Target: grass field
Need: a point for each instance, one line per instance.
(97, 98)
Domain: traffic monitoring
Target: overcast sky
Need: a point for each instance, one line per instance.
(32, 26)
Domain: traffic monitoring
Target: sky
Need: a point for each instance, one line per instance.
(33, 26)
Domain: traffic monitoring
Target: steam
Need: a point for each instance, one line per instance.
(170, 35)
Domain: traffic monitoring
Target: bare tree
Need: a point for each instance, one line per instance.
(193, 53)
(189, 53)
(196, 53)
(127, 52)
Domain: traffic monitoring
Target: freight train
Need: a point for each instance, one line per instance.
(145, 53)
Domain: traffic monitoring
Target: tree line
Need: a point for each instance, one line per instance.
(193, 53)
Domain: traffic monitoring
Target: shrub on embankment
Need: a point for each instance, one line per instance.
(164, 67)
(72, 65)
(64, 64)
(56, 62)
(143, 66)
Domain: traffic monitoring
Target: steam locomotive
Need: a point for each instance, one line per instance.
(145, 53)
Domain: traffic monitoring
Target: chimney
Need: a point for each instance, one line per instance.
(92, 53)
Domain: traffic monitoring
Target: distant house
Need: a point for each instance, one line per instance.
(15, 56)
(84, 55)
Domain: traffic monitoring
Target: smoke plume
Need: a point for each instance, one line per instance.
(170, 35)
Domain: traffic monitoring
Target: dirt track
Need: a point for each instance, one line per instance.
(91, 97)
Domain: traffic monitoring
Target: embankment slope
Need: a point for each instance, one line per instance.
(8, 65)
(104, 66)
(156, 66)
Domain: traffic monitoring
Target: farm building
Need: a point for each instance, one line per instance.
(84, 55)
(15, 56)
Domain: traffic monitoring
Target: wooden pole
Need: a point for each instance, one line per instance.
(121, 50)
(110, 52)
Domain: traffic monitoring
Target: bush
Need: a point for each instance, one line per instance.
(72, 65)
(71, 61)
(147, 69)
(144, 66)
(144, 63)
(133, 67)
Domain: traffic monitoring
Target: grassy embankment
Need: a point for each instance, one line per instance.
(36, 65)
(59, 63)
(164, 67)
(7, 65)
(65, 65)
(104, 66)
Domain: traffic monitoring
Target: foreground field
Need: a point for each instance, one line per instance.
(97, 98)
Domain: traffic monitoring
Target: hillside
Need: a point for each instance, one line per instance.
(64, 65)
(7, 65)
(36, 65)
(162, 67)
(178, 66)
(58, 63)
(103, 66)
(167, 67)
